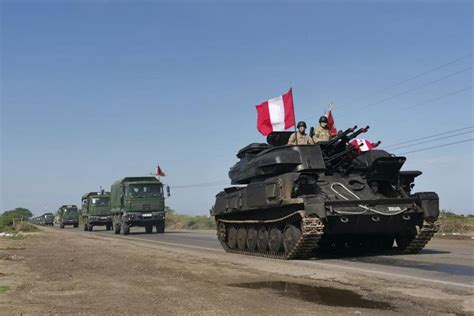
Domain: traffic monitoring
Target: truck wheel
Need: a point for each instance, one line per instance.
(148, 229)
(160, 228)
(117, 228)
(108, 227)
(61, 226)
(85, 227)
(125, 229)
(90, 227)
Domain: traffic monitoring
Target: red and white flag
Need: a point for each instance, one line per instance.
(159, 172)
(362, 144)
(331, 126)
(276, 114)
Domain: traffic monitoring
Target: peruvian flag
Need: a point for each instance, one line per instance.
(276, 114)
(362, 144)
(331, 126)
(159, 172)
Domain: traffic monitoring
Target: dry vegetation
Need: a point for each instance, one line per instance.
(179, 221)
(453, 223)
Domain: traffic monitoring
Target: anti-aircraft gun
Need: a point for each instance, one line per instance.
(294, 200)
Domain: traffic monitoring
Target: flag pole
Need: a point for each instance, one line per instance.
(294, 115)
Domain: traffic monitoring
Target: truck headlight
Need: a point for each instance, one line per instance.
(159, 214)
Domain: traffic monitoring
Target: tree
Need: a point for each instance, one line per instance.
(18, 213)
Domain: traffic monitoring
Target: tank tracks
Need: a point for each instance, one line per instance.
(312, 229)
(422, 237)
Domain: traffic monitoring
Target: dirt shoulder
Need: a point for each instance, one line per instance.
(60, 272)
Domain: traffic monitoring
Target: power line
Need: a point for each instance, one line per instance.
(417, 87)
(417, 75)
(431, 136)
(432, 140)
(200, 185)
(438, 146)
(438, 98)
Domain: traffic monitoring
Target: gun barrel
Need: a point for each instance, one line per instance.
(358, 132)
(340, 136)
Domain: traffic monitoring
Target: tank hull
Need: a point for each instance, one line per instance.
(303, 226)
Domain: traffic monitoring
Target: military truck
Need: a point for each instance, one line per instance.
(294, 201)
(96, 210)
(68, 215)
(138, 201)
(47, 219)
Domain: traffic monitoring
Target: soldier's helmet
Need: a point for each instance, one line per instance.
(323, 119)
(301, 123)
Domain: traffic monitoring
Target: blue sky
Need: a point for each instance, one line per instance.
(92, 91)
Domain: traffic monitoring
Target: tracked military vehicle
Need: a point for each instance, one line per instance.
(138, 201)
(96, 210)
(295, 201)
(68, 215)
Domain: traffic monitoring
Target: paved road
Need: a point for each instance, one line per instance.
(442, 262)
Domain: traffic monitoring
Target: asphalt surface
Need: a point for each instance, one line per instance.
(443, 262)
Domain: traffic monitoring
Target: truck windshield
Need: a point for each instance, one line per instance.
(100, 201)
(145, 190)
(70, 210)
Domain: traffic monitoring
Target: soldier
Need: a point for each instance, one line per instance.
(321, 133)
(303, 139)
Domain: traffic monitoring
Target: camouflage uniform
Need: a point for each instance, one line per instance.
(303, 139)
(321, 135)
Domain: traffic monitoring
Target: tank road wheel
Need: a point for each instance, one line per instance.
(242, 238)
(252, 239)
(275, 241)
(262, 239)
(290, 237)
(221, 231)
(232, 238)
(148, 229)
(125, 229)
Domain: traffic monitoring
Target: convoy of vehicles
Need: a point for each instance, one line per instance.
(287, 202)
(46, 219)
(96, 210)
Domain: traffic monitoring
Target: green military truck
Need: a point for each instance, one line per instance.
(68, 215)
(96, 210)
(47, 219)
(138, 201)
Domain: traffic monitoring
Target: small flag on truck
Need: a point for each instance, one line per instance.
(159, 172)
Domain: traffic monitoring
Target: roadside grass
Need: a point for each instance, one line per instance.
(456, 224)
(179, 221)
(4, 288)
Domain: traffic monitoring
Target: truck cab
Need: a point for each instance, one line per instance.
(48, 219)
(138, 201)
(68, 215)
(96, 210)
